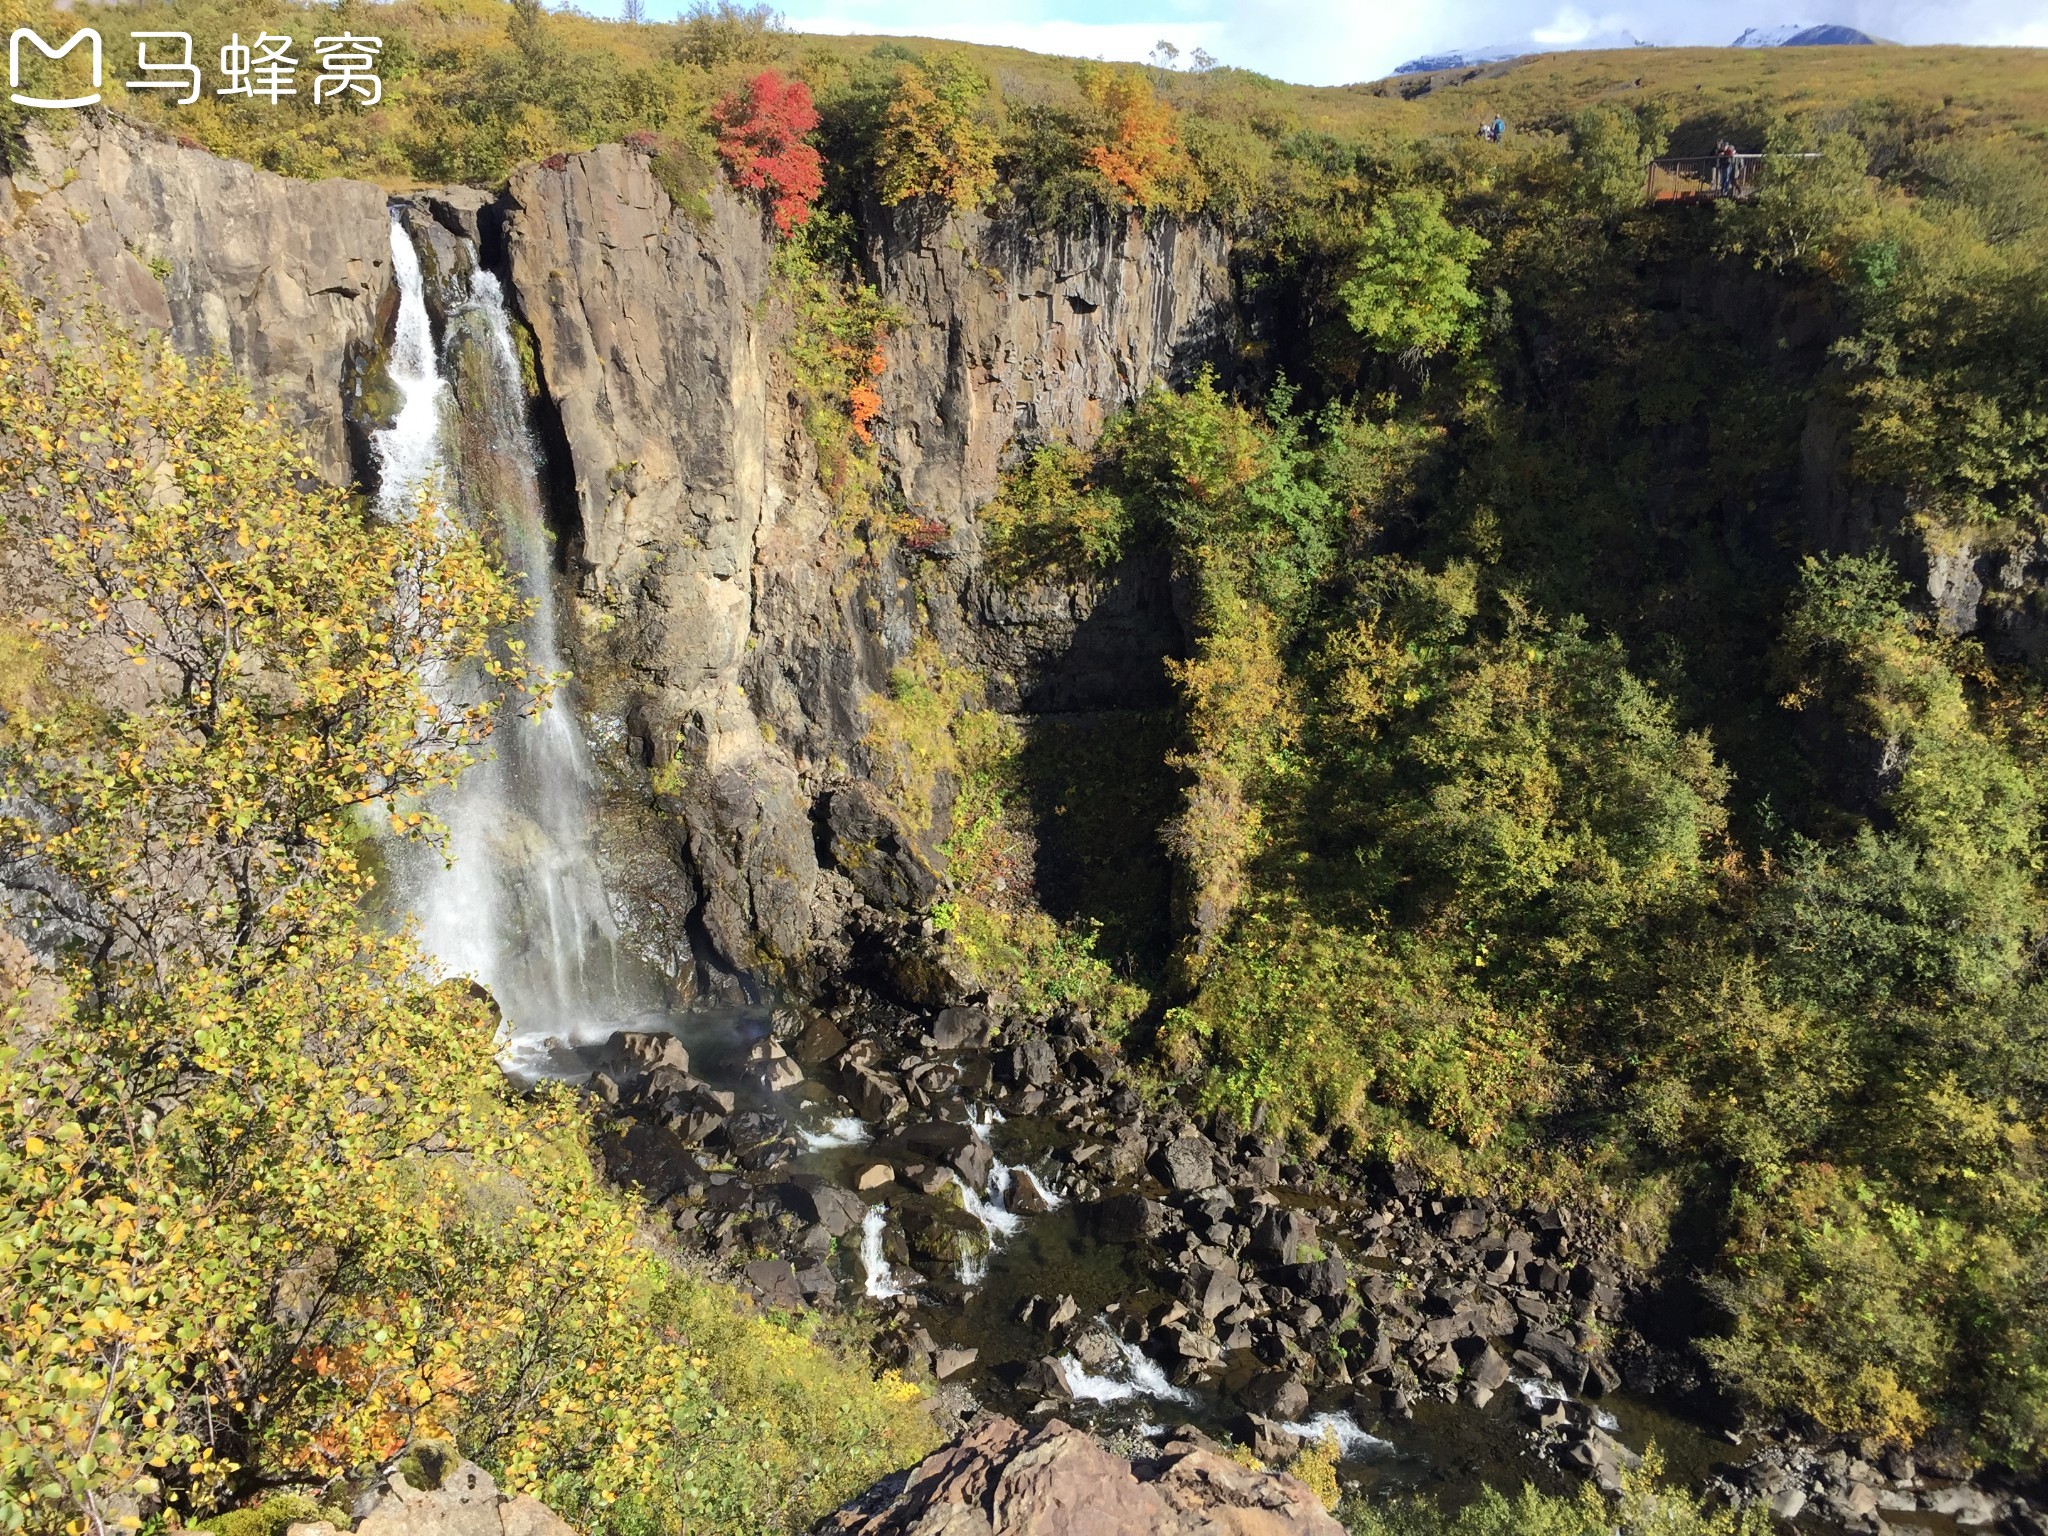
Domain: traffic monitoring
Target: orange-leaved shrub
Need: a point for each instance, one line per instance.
(761, 128)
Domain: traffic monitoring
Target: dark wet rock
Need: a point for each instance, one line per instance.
(956, 1028)
(1130, 1219)
(1187, 1165)
(646, 1050)
(812, 1198)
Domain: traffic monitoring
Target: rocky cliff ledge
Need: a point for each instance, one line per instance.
(1000, 1479)
(284, 277)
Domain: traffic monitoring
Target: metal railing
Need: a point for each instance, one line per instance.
(1699, 178)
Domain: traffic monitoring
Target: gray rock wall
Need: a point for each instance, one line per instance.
(727, 614)
(749, 620)
(283, 276)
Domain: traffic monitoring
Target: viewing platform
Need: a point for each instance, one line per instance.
(1702, 178)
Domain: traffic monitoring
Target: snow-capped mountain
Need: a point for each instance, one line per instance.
(1465, 58)
(1799, 35)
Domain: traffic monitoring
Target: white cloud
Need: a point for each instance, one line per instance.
(1335, 42)
(1124, 40)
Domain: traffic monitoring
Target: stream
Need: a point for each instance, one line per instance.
(916, 1255)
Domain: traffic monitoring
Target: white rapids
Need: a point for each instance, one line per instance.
(1141, 1377)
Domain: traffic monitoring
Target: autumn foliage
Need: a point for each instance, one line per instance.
(761, 129)
(268, 1210)
(936, 140)
(1140, 153)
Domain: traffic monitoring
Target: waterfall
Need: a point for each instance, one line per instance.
(881, 1280)
(519, 904)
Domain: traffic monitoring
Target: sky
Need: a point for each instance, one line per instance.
(1333, 42)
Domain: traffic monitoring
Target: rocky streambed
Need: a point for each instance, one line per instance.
(1041, 1241)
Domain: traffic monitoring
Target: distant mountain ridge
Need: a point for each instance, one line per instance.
(1795, 35)
(1827, 34)
(1464, 58)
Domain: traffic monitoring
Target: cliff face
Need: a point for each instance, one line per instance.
(285, 277)
(729, 616)
(746, 621)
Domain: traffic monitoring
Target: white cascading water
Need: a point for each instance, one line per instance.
(519, 904)
(874, 1264)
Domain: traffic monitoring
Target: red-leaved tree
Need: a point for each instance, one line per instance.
(761, 128)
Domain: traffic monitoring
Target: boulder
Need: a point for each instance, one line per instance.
(1487, 1371)
(998, 1479)
(1962, 1503)
(956, 1028)
(1032, 1064)
(951, 1362)
(1026, 1194)
(1272, 1443)
(1277, 1395)
(878, 1099)
(811, 1198)
(1280, 1234)
(1130, 1218)
(873, 1176)
(771, 1064)
(1322, 1278)
(819, 1042)
(1217, 1290)
(1048, 1379)
(776, 1280)
(647, 1050)
(432, 1491)
(867, 841)
(1187, 1165)
(957, 1145)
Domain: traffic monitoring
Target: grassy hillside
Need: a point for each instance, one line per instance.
(476, 85)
